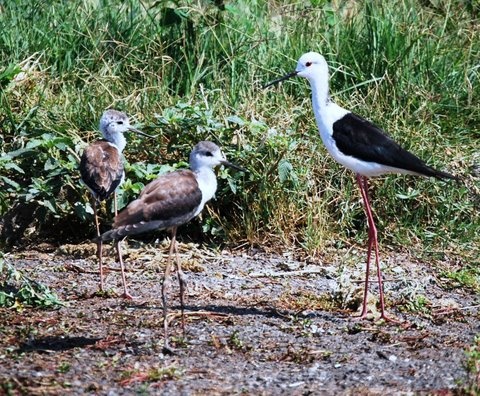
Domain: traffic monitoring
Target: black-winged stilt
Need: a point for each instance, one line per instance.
(169, 201)
(360, 146)
(101, 168)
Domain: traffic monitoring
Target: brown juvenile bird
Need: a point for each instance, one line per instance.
(169, 201)
(101, 169)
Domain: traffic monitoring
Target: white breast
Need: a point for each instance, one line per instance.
(207, 182)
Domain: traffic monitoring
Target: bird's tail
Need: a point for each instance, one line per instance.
(132, 229)
(428, 171)
(443, 175)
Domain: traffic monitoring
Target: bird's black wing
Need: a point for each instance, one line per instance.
(359, 138)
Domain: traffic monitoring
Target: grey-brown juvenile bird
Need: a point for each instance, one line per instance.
(101, 169)
(168, 202)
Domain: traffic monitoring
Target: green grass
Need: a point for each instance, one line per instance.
(472, 385)
(188, 71)
(17, 291)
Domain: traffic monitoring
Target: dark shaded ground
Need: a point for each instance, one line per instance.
(255, 324)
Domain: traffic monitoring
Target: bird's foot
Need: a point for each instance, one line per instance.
(127, 295)
(105, 293)
(167, 350)
(183, 325)
(383, 318)
(388, 319)
(362, 316)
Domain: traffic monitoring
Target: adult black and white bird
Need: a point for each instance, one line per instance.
(101, 169)
(360, 146)
(168, 202)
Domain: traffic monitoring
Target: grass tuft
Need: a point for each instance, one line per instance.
(17, 291)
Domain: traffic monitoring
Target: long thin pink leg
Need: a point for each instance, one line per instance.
(99, 245)
(362, 186)
(372, 241)
(181, 279)
(165, 287)
(126, 294)
(115, 206)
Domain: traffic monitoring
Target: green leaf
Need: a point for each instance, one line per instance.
(12, 165)
(49, 204)
(284, 170)
(236, 120)
(50, 164)
(9, 74)
(28, 149)
(10, 182)
(232, 185)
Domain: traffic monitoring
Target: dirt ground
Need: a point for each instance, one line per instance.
(256, 324)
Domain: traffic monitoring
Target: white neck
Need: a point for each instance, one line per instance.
(207, 182)
(326, 112)
(117, 139)
(320, 99)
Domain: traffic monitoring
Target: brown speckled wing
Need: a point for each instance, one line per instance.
(101, 168)
(172, 198)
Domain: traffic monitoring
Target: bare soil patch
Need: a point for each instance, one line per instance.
(256, 324)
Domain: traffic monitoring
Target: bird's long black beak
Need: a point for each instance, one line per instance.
(233, 166)
(132, 129)
(286, 77)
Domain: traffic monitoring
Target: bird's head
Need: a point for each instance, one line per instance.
(311, 66)
(114, 122)
(209, 154)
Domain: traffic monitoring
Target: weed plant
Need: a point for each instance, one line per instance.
(472, 385)
(17, 291)
(189, 70)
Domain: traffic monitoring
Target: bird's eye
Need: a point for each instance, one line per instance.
(120, 122)
(308, 64)
(208, 154)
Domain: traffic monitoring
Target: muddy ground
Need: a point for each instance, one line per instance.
(256, 324)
